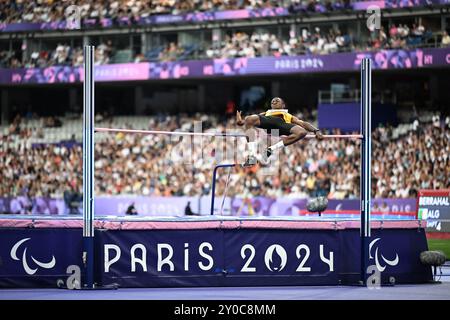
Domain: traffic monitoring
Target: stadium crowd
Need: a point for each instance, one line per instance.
(161, 166)
(62, 55)
(17, 11)
(238, 44)
(319, 41)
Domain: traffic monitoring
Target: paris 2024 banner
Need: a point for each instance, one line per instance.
(339, 62)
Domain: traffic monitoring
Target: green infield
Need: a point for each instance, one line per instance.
(440, 244)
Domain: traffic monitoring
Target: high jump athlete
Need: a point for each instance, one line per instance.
(291, 128)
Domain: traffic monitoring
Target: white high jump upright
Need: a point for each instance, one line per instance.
(88, 167)
(366, 151)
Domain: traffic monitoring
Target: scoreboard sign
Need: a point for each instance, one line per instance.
(434, 206)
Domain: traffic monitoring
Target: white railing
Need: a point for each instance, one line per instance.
(329, 96)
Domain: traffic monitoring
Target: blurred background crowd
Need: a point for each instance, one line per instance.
(159, 166)
(50, 10)
(234, 45)
(343, 36)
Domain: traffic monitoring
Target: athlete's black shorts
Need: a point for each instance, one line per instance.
(272, 123)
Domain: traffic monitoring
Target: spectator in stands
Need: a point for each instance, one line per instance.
(61, 55)
(131, 210)
(140, 58)
(14, 128)
(73, 198)
(375, 208)
(188, 211)
(230, 109)
(384, 208)
(52, 122)
(5, 56)
(77, 57)
(445, 39)
(14, 63)
(103, 53)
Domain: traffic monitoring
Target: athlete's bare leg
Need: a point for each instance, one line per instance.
(249, 122)
(297, 133)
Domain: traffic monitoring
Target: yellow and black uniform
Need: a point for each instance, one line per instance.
(279, 119)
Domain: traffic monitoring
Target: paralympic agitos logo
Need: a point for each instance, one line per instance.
(25, 257)
(380, 261)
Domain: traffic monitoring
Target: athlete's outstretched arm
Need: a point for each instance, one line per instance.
(239, 120)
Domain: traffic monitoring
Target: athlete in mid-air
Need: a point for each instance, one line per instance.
(291, 128)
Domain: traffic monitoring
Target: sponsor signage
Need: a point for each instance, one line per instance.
(339, 62)
(434, 207)
(51, 257)
(233, 206)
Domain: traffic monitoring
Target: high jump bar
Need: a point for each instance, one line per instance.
(212, 134)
